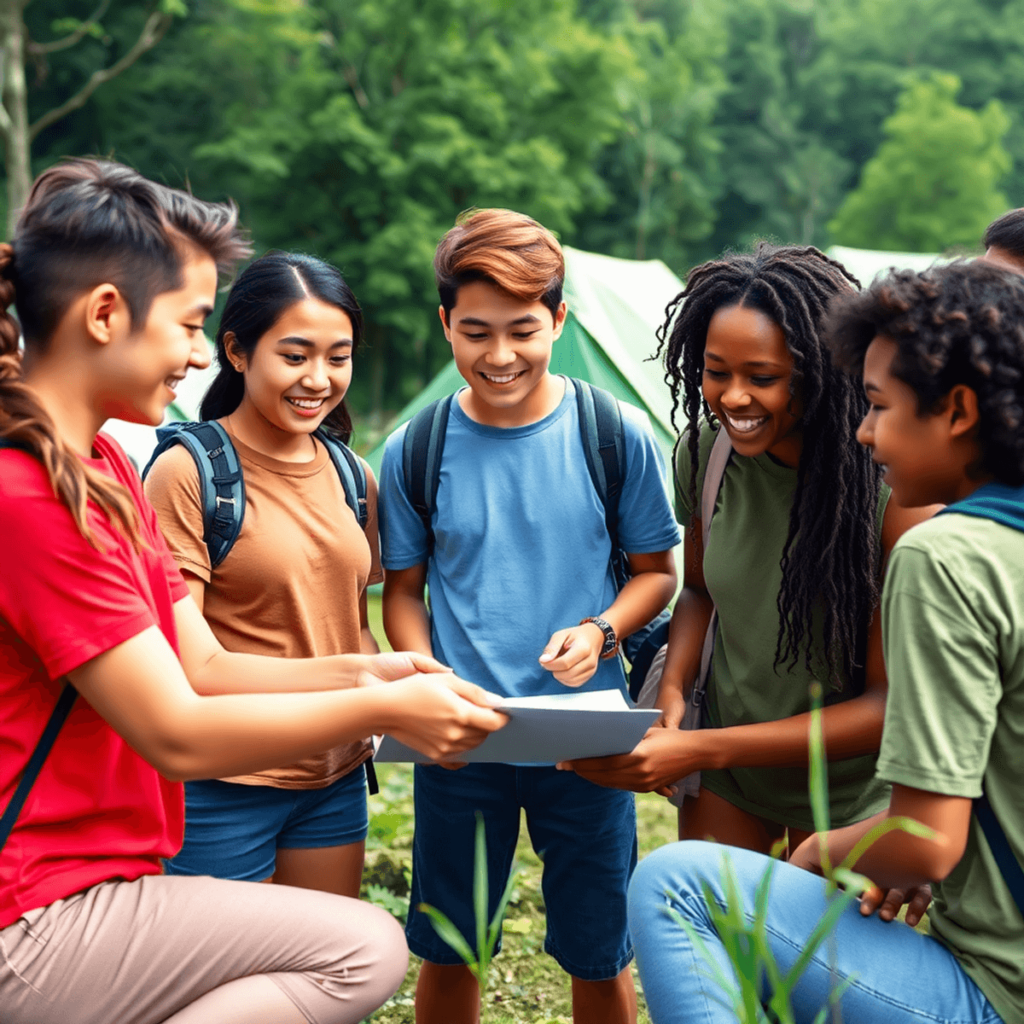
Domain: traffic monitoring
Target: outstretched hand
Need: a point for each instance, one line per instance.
(654, 765)
(386, 668)
(441, 715)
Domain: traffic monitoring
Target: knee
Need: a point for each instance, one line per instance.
(386, 946)
(669, 877)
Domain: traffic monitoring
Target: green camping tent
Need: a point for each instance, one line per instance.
(615, 306)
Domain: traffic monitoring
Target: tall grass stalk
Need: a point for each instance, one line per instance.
(478, 960)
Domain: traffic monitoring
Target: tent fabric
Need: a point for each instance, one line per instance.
(615, 307)
(867, 264)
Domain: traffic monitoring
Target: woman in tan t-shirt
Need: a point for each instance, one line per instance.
(294, 582)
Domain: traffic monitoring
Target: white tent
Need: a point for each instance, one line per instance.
(867, 264)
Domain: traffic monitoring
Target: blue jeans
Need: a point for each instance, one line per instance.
(900, 975)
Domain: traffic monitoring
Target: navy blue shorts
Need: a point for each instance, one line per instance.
(234, 831)
(585, 835)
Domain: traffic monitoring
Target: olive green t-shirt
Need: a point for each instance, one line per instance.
(742, 570)
(953, 629)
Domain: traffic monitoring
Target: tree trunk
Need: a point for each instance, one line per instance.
(14, 116)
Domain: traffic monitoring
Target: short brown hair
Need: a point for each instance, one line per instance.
(506, 248)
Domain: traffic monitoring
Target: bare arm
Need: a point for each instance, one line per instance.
(851, 728)
(406, 619)
(142, 690)
(898, 859)
(211, 670)
(647, 592)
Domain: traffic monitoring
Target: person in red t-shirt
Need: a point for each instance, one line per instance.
(112, 277)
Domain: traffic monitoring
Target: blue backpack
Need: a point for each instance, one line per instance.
(605, 449)
(222, 488)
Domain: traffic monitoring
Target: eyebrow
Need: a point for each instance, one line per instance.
(306, 343)
(475, 321)
(753, 362)
(202, 309)
(871, 386)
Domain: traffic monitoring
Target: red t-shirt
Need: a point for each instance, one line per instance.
(97, 810)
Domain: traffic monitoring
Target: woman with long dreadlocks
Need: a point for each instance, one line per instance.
(801, 528)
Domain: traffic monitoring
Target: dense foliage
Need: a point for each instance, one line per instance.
(358, 129)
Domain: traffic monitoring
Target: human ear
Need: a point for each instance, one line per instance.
(235, 354)
(962, 409)
(559, 321)
(105, 312)
(444, 323)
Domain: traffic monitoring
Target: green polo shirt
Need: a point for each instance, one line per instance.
(953, 626)
(742, 570)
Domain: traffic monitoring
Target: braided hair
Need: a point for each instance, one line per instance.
(958, 324)
(830, 560)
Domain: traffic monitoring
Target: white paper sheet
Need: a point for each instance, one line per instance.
(548, 729)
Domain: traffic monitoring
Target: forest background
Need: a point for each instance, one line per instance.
(357, 130)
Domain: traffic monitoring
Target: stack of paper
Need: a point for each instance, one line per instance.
(548, 729)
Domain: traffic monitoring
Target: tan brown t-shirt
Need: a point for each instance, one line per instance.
(291, 584)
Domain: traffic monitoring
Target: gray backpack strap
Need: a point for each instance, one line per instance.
(714, 474)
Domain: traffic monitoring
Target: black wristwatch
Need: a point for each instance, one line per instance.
(611, 641)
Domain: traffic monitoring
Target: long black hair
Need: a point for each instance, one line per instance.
(830, 561)
(258, 299)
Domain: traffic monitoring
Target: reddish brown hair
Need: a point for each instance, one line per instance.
(87, 222)
(506, 248)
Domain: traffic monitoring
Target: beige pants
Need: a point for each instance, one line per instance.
(199, 951)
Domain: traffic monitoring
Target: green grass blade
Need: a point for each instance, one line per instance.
(449, 933)
(480, 895)
(819, 775)
(499, 914)
(901, 822)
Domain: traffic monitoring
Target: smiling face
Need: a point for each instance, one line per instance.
(502, 347)
(747, 374)
(144, 364)
(298, 372)
(924, 456)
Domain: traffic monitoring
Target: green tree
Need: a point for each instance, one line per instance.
(19, 47)
(934, 182)
(401, 114)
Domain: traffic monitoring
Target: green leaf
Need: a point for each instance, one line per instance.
(449, 934)
(480, 896)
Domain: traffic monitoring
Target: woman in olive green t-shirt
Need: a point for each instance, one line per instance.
(800, 532)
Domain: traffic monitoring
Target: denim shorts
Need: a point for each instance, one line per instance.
(585, 835)
(234, 831)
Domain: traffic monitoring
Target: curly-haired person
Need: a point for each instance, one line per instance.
(942, 360)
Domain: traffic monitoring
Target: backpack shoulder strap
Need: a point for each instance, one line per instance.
(57, 718)
(1009, 866)
(221, 486)
(350, 470)
(714, 474)
(604, 447)
(422, 448)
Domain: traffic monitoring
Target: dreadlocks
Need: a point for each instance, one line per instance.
(831, 556)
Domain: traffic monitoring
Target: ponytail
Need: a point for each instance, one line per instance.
(25, 423)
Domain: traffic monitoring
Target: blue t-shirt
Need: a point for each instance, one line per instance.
(521, 548)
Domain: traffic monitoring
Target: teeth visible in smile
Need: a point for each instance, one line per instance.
(307, 403)
(502, 379)
(744, 426)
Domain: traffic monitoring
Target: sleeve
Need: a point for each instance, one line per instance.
(402, 534)
(646, 523)
(372, 531)
(69, 601)
(944, 679)
(172, 486)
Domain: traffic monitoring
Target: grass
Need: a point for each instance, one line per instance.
(528, 987)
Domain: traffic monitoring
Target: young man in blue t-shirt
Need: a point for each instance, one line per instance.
(522, 602)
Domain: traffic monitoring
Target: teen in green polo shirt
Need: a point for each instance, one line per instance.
(942, 358)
